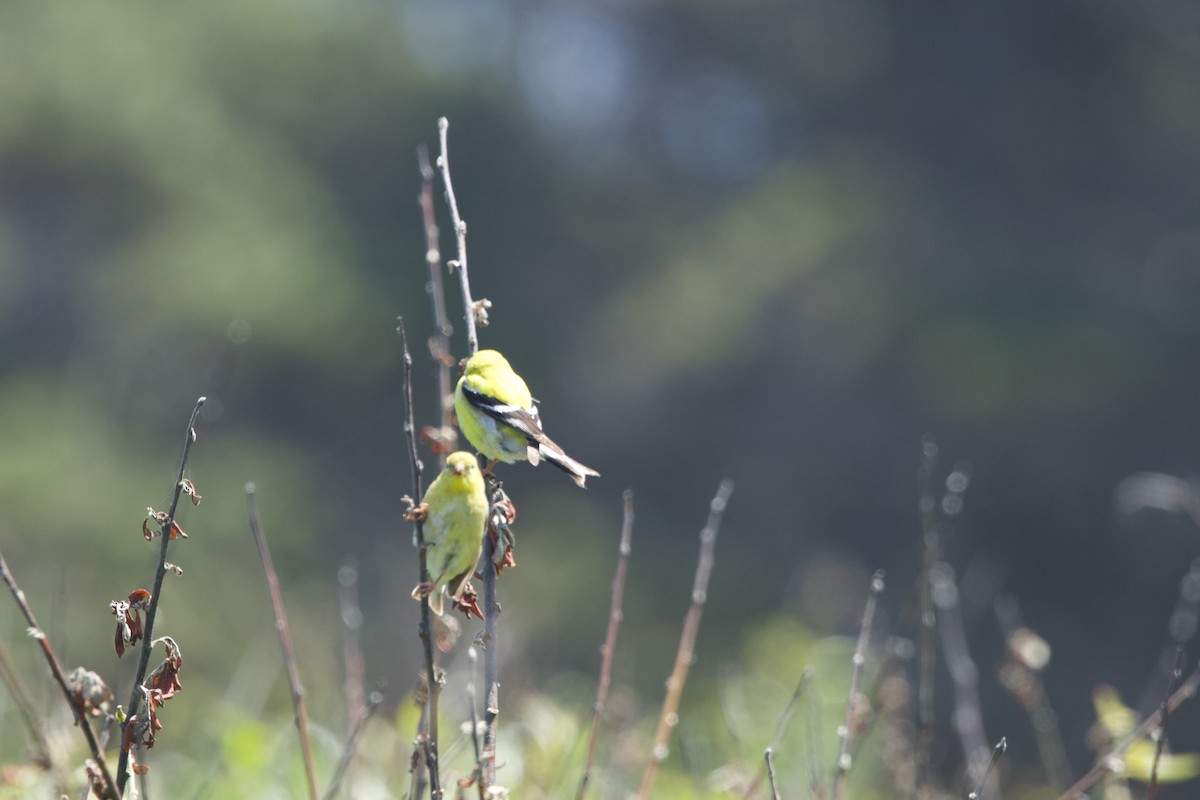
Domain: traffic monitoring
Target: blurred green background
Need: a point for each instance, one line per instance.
(775, 241)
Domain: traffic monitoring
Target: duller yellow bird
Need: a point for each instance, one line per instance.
(454, 510)
(497, 414)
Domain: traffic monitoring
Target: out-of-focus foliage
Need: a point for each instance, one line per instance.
(772, 240)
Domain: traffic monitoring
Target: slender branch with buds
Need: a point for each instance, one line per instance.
(166, 534)
(669, 717)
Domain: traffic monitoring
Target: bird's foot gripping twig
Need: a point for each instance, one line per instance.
(468, 604)
(415, 512)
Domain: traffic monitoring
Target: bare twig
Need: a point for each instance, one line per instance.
(1185, 692)
(1160, 733)
(491, 664)
(997, 751)
(473, 658)
(24, 702)
(285, 639)
(1020, 674)
(360, 722)
(439, 343)
(35, 632)
(474, 312)
(770, 762)
(460, 236)
(425, 629)
(968, 716)
(610, 639)
(932, 554)
(669, 717)
(806, 677)
(135, 696)
(352, 654)
(853, 711)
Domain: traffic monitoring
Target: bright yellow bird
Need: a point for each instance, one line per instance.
(455, 509)
(497, 414)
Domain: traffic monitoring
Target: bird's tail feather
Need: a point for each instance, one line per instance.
(555, 455)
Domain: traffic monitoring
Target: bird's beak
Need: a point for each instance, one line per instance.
(459, 469)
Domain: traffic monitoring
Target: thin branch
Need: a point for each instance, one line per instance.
(460, 236)
(853, 715)
(425, 629)
(1185, 692)
(473, 657)
(932, 554)
(60, 678)
(439, 343)
(285, 640)
(669, 717)
(610, 639)
(491, 665)
(135, 696)
(806, 677)
(352, 653)
(475, 313)
(364, 714)
(1160, 733)
(997, 751)
(24, 702)
(968, 716)
(770, 762)
(1020, 674)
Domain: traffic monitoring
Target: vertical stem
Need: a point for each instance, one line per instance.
(439, 343)
(285, 640)
(768, 757)
(610, 639)
(932, 554)
(846, 732)
(1165, 714)
(425, 630)
(460, 236)
(491, 664)
(135, 696)
(491, 607)
(669, 717)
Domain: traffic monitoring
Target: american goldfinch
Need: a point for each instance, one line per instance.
(454, 509)
(497, 415)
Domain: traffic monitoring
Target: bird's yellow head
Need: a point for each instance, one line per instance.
(486, 361)
(461, 463)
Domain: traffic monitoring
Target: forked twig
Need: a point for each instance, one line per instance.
(425, 630)
(610, 639)
(285, 640)
(135, 696)
(846, 731)
(35, 632)
(669, 717)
